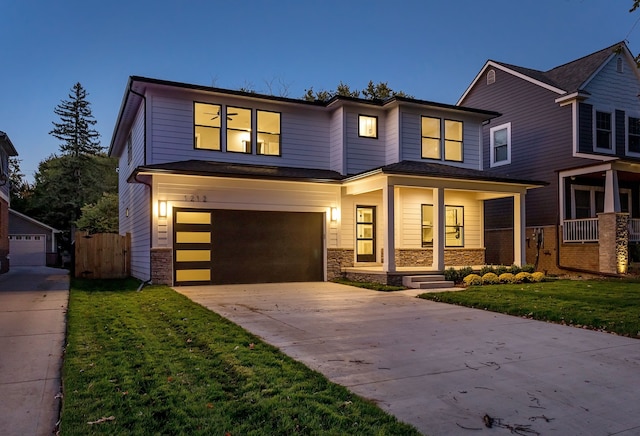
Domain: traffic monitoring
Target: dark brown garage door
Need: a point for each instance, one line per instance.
(247, 247)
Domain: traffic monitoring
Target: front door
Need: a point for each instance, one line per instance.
(365, 233)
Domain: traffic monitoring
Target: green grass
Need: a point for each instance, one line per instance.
(160, 364)
(608, 305)
(370, 285)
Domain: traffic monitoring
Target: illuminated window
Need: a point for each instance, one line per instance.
(238, 130)
(500, 137)
(367, 126)
(454, 226)
(206, 120)
(453, 140)
(431, 138)
(268, 133)
(427, 225)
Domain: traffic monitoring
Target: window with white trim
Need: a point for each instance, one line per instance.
(500, 138)
(588, 201)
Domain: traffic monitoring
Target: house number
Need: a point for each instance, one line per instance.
(196, 198)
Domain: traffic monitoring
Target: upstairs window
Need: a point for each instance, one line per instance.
(500, 137)
(367, 126)
(206, 120)
(603, 130)
(431, 138)
(634, 134)
(453, 140)
(268, 133)
(238, 130)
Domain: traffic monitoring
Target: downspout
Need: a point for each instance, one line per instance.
(144, 134)
(135, 177)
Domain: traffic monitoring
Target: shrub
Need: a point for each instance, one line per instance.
(490, 279)
(514, 269)
(501, 269)
(463, 272)
(537, 276)
(487, 269)
(523, 277)
(451, 275)
(507, 278)
(472, 280)
(529, 268)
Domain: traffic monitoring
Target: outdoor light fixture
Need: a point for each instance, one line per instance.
(334, 214)
(162, 208)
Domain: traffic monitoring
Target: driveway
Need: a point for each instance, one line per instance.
(441, 367)
(33, 304)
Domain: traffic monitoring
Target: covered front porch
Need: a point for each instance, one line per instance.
(599, 204)
(396, 224)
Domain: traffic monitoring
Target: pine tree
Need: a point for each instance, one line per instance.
(75, 126)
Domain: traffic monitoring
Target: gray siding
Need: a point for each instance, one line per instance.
(20, 226)
(364, 154)
(336, 139)
(304, 132)
(541, 139)
(392, 136)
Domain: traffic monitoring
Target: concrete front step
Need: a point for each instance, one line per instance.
(431, 281)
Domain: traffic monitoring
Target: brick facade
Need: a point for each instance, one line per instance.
(162, 266)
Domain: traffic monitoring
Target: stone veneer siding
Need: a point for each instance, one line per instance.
(613, 242)
(338, 258)
(162, 266)
(452, 257)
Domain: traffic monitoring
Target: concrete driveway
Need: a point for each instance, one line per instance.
(33, 304)
(443, 368)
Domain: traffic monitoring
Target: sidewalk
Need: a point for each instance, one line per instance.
(33, 306)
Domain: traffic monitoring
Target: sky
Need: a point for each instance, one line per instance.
(429, 49)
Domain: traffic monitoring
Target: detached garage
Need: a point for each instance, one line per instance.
(31, 242)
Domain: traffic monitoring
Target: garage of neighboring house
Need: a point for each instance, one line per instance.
(31, 242)
(247, 246)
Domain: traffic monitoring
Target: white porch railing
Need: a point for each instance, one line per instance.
(581, 230)
(634, 230)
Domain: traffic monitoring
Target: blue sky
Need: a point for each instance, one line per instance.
(429, 49)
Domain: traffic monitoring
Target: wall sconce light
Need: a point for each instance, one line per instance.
(334, 214)
(126, 212)
(162, 208)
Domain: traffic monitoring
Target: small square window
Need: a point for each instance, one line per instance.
(367, 126)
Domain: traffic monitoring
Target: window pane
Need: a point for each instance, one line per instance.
(238, 118)
(193, 275)
(367, 126)
(206, 114)
(365, 247)
(193, 237)
(454, 226)
(207, 138)
(427, 225)
(453, 151)
(634, 135)
(268, 122)
(500, 137)
(193, 255)
(583, 204)
(500, 153)
(430, 148)
(268, 133)
(238, 141)
(365, 231)
(268, 144)
(453, 130)
(603, 130)
(430, 127)
(193, 217)
(238, 129)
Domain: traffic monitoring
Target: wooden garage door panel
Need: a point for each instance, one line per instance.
(266, 247)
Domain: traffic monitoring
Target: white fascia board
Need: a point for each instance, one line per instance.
(492, 64)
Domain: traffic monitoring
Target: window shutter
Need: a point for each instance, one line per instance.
(620, 133)
(585, 128)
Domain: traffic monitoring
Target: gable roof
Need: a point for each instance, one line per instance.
(33, 221)
(6, 143)
(564, 79)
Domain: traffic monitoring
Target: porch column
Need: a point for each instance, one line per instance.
(519, 230)
(388, 212)
(611, 195)
(438, 229)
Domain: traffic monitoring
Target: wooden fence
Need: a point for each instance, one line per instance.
(102, 255)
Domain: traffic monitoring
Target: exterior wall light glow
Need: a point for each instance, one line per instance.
(334, 214)
(162, 209)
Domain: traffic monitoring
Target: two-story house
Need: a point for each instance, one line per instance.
(577, 127)
(221, 186)
(6, 150)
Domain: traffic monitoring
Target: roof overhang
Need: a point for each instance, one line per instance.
(574, 96)
(6, 143)
(33, 221)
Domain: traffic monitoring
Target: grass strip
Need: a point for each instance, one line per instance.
(370, 285)
(154, 362)
(606, 305)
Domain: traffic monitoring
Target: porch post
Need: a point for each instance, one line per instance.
(438, 229)
(611, 195)
(519, 230)
(388, 211)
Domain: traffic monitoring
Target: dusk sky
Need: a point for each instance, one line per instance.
(429, 49)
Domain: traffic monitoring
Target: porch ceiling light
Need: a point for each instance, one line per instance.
(162, 208)
(334, 214)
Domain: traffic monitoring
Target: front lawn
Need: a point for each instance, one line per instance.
(608, 305)
(153, 362)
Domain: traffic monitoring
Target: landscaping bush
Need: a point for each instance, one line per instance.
(507, 278)
(529, 268)
(514, 269)
(472, 280)
(487, 269)
(523, 277)
(457, 276)
(490, 279)
(537, 277)
(501, 269)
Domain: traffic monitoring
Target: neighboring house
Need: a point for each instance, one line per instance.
(577, 127)
(221, 186)
(31, 242)
(6, 150)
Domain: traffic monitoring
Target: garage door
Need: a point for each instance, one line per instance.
(239, 246)
(27, 250)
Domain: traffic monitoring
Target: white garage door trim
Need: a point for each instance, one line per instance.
(28, 250)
